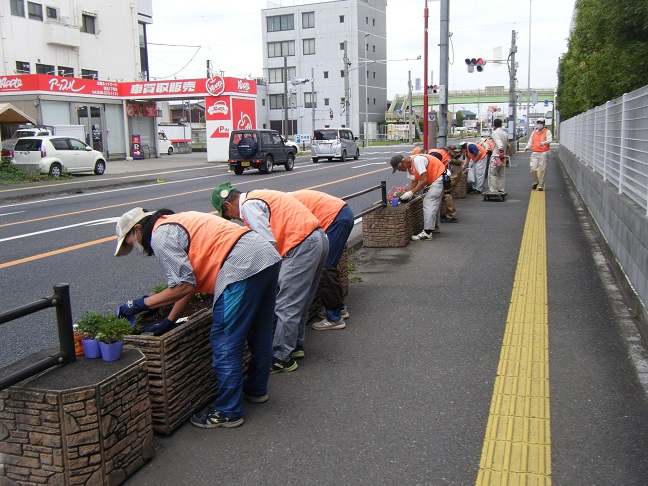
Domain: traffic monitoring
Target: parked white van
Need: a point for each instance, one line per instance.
(164, 144)
(333, 143)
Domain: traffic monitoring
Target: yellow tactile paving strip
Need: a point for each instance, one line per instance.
(517, 445)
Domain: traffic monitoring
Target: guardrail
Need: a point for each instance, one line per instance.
(383, 201)
(66, 355)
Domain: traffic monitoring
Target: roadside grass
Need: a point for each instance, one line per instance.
(10, 174)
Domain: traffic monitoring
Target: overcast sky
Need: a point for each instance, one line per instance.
(229, 34)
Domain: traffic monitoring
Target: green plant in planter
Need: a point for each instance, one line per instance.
(89, 324)
(113, 328)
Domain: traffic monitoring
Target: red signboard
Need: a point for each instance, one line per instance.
(136, 147)
(141, 109)
(180, 88)
(217, 108)
(221, 131)
(243, 114)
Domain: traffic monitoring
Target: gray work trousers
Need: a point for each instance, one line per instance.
(299, 277)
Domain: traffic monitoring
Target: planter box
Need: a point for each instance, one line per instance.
(181, 378)
(88, 422)
(392, 227)
(343, 268)
(461, 189)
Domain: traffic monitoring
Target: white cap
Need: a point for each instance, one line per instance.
(540, 120)
(124, 225)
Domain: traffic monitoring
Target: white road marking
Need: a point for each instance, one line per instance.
(60, 228)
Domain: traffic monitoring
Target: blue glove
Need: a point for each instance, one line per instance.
(159, 329)
(132, 307)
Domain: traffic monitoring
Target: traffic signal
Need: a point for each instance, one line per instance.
(433, 87)
(473, 63)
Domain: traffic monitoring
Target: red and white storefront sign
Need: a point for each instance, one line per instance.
(229, 102)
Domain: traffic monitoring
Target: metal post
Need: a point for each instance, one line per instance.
(443, 74)
(366, 70)
(347, 104)
(512, 102)
(285, 100)
(425, 78)
(64, 321)
(314, 101)
(383, 192)
(409, 106)
(528, 114)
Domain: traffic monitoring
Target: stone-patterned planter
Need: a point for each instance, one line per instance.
(391, 227)
(181, 378)
(343, 268)
(88, 422)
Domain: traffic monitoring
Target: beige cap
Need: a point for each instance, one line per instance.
(124, 225)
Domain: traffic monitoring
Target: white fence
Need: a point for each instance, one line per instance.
(612, 139)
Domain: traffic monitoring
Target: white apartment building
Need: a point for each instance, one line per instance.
(305, 47)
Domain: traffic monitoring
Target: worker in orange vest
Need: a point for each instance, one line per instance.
(539, 142)
(476, 154)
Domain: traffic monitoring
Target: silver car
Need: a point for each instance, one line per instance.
(54, 156)
(333, 143)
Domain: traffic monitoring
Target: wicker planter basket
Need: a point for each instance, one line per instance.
(181, 378)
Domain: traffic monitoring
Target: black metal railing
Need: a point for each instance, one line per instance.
(377, 205)
(66, 355)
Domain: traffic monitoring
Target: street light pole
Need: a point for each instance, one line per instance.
(366, 127)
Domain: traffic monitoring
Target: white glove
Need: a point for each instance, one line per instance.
(407, 196)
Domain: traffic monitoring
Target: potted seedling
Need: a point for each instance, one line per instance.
(88, 326)
(112, 330)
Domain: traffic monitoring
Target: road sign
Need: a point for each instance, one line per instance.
(400, 112)
(432, 117)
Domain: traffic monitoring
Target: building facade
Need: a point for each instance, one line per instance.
(324, 65)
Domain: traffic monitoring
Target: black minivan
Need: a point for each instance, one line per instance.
(259, 149)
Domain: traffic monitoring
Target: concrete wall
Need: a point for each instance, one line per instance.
(624, 227)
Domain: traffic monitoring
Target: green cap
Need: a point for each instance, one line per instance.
(219, 195)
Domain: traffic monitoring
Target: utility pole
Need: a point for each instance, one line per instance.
(313, 100)
(346, 87)
(426, 116)
(209, 69)
(443, 74)
(512, 101)
(409, 106)
(285, 100)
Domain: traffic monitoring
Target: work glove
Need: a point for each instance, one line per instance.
(407, 196)
(132, 307)
(160, 328)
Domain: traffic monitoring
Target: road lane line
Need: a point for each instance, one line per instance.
(517, 443)
(131, 204)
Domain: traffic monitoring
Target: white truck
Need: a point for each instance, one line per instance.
(173, 137)
(76, 131)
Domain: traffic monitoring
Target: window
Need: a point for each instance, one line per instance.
(310, 100)
(276, 101)
(76, 144)
(309, 46)
(17, 8)
(308, 20)
(341, 73)
(373, 22)
(275, 75)
(88, 24)
(367, 47)
(281, 49)
(52, 13)
(341, 19)
(66, 71)
(326, 101)
(60, 143)
(35, 11)
(367, 20)
(374, 48)
(22, 67)
(325, 74)
(374, 101)
(45, 69)
(341, 46)
(263, 103)
(374, 74)
(89, 74)
(280, 22)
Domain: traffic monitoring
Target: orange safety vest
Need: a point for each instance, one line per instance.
(211, 240)
(290, 221)
(480, 154)
(537, 138)
(323, 206)
(491, 145)
(435, 167)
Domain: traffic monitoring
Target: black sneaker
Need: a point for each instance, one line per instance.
(256, 399)
(298, 353)
(211, 419)
(281, 366)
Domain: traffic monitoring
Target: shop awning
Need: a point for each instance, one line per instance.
(11, 114)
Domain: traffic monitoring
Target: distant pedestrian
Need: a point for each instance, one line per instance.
(498, 159)
(476, 154)
(424, 170)
(539, 142)
(336, 219)
(201, 252)
(289, 226)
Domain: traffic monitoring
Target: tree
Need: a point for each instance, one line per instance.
(607, 55)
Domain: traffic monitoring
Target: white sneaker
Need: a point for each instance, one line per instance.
(422, 236)
(322, 313)
(327, 325)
